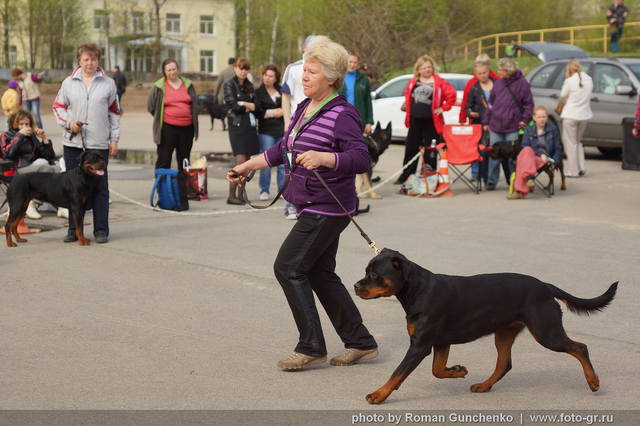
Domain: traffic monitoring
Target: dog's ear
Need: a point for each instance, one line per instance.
(82, 157)
(388, 129)
(377, 128)
(403, 265)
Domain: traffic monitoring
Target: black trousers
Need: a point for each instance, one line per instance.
(173, 137)
(305, 265)
(421, 133)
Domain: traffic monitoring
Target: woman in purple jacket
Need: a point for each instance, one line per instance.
(325, 135)
(510, 109)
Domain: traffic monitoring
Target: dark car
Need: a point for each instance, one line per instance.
(615, 88)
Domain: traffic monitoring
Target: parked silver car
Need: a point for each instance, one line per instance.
(616, 82)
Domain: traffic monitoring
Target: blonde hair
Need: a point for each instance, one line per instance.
(332, 56)
(483, 59)
(574, 67)
(507, 65)
(540, 108)
(421, 61)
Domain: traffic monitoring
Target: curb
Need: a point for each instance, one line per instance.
(144, 156)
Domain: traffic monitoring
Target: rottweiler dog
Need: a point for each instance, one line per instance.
(511, 149)
(71, 189)
(444, 310)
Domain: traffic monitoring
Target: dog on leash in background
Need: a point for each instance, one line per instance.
(209, 104)
(377, 143)
(511, 149)
(444, 310)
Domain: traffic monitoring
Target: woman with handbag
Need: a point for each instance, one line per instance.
(240, 100)
(427, 96)
(172, 102)
(511, 105)
(574, 108)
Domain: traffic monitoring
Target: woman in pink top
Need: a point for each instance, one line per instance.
(172, 102)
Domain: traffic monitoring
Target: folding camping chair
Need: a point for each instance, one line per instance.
(463, 149)
(547, 189)
(7, 170)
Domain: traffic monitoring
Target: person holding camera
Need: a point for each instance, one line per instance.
(28, 147)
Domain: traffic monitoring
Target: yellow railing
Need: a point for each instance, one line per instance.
(594, 38)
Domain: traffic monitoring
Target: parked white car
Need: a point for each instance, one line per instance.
(388, 99)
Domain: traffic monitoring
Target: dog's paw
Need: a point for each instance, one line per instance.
(85, 242)
(458, 370)
(594, 383)
(21, 240)
(480, 388)
(376, 397)
(11, 244)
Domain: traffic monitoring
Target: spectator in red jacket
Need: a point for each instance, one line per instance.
(426, 97)
(481, 59)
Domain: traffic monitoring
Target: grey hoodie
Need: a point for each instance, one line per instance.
(96, 105)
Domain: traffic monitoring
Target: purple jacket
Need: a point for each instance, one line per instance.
(335, 128)
(504, 114)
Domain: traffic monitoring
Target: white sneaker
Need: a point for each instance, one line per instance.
(63, 213)
(264, 196)
(291, 216)
(32, 211)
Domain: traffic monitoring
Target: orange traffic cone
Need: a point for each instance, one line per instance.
(444, 188)
(23, 229)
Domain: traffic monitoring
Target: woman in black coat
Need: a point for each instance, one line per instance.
(240, 99)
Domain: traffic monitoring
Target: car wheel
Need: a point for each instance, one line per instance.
(610, 152)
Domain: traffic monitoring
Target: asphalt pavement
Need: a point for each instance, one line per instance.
(182, 311)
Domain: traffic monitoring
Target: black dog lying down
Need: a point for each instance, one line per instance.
(511, 149)
(444, 310)
(70, 189)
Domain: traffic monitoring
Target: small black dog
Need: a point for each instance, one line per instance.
(377, 144)
(445, 310)
(71, 189)
(511, 149)
(210, 105)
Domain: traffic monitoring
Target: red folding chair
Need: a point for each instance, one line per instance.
(463, 146)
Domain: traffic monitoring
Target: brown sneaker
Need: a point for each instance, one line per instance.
(351, 356)
(298, 361)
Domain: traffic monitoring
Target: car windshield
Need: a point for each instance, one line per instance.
(458, 83)
(635, 69)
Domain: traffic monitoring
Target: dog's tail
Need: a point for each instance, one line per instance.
(585, 306)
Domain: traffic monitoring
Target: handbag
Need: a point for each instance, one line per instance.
(170, 189)
(559, 107)
(421, 182)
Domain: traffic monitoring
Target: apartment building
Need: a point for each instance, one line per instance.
(200, 34)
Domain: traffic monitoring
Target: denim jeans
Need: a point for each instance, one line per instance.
(266, 142)
(494, 165)
(34, 107)
(99, 202)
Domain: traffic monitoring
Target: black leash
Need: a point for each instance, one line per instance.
(243, 185)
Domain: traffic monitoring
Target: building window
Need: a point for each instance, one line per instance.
(137, 20)
(172, 53)
(100, 20)
(207, 61)
(173, 23)
(206, 24)
(13, 56)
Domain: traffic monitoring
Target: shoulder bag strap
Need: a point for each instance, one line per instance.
(515, 99)
(154, 189)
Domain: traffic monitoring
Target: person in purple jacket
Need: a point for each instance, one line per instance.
(325, 135)
(510, 109)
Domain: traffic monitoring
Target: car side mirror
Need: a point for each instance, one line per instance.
(624, 89)
(373, 94)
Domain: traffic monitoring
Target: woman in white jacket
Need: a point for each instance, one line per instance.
(576, 93)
